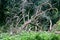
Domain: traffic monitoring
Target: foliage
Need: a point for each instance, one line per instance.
(56, 27)
(30, 36)
(14, 13)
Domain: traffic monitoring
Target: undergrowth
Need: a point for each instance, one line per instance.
(30, 36)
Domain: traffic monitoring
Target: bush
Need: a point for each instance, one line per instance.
(30, 36)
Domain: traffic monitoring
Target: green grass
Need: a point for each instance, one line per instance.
(30, 36)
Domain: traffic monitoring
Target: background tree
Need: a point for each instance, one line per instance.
(17, 13)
